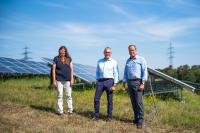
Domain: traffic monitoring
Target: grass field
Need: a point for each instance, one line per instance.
(28, 105)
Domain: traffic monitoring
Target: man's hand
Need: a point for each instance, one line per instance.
(113, 87)
(142, 87)
(124, 86)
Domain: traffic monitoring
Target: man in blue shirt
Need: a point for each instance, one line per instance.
(135, 74)
(107, 76)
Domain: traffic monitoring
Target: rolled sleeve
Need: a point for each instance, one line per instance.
(97, 71)
(144, 70)
(116, 73)
(125, 75)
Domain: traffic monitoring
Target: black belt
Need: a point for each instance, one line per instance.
(104, 79)
(137, 79)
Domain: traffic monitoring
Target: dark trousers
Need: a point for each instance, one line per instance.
(136, 99)
(104, 84)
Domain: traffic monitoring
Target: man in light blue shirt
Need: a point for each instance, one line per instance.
(107, 76)
(107, 68)
(136, 68)
(135, 74)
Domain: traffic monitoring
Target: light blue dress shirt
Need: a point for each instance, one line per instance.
(135, 69)
(107, 69)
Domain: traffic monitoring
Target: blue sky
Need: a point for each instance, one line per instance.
(86, 27)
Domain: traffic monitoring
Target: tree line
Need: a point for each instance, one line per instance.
(184, 73)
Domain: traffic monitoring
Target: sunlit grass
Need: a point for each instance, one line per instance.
(35, 93)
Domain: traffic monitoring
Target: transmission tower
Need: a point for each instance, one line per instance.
(26, 53)
(171, 55)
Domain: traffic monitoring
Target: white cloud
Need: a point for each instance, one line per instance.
(96, 36)
(169, 29)
(55, 5)
(76, 28)
(120, 11)
(180, 3)
(142, 2)
(151, 29)
(6, 37)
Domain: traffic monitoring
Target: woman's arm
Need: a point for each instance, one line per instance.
(54, 74)
(72, 74)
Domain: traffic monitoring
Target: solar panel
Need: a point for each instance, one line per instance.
(169, 79)
(6, 63)
(47, 60)
(19, 70)
(39, 66)
(84, 72)
(9, 65)
(4, 69)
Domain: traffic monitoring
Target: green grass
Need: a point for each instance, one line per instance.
(182, 115)
(35, 94)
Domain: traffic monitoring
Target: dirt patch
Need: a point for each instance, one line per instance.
(20, 118)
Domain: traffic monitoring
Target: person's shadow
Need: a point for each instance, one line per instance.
(43, 108)
(88, 114)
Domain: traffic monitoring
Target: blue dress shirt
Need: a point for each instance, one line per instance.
(136, 68)
(107, 69)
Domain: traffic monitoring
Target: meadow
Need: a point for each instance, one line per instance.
(29, 105)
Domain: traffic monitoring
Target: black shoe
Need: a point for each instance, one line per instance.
(139, 125)
(109, 119)
(95, 118)
(135, 121)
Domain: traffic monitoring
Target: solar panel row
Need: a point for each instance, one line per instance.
(9, 65)
(84, 72)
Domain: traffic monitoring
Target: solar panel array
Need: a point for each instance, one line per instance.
(84, 72)
(9, 65)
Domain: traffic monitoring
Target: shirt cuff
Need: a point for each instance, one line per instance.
(124, 80)
(144, 79)
(116, 81)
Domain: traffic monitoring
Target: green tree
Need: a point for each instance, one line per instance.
(184, 72)
(195, 69)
